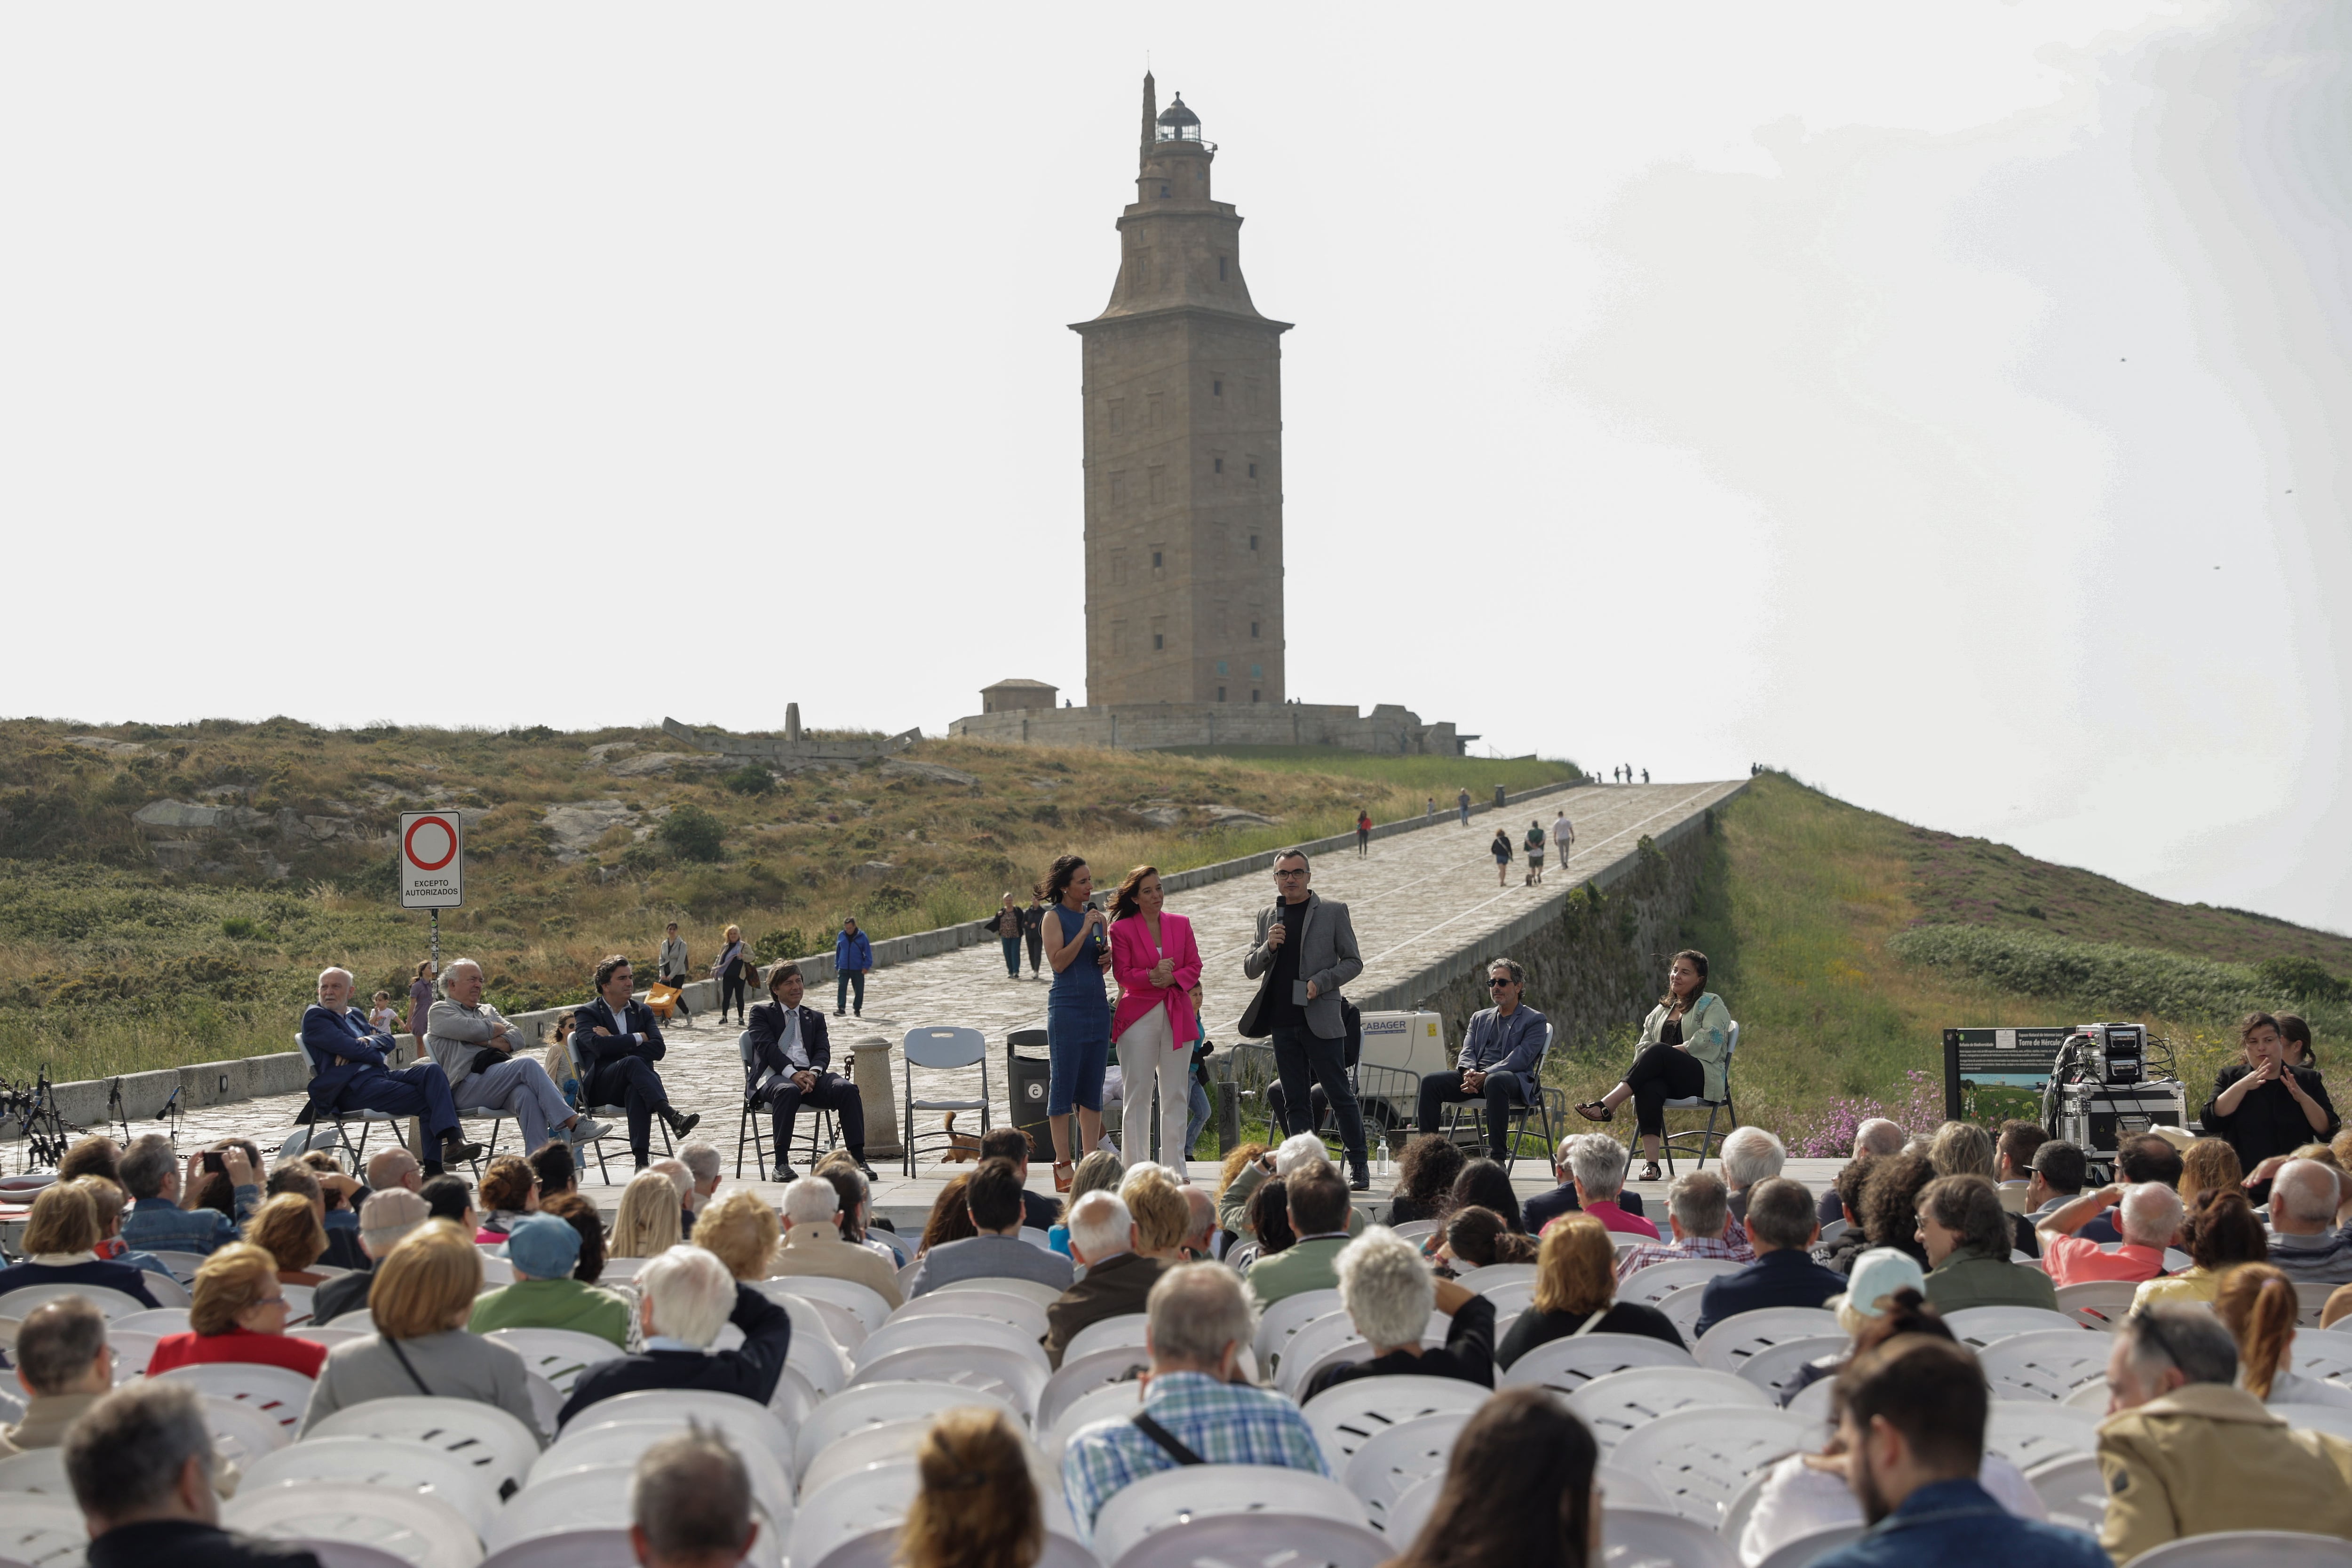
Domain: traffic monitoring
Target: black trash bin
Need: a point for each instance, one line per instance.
(1028, 1079)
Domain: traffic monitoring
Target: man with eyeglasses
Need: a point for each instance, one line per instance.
(1501, 1052)
(1305, 950)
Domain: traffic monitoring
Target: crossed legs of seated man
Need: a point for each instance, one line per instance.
(519, 1087)
(1500, 1090)
(422, 1092)
(821, 1092)
(630, 1082)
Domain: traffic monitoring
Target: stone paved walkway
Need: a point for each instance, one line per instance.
(1418, 896)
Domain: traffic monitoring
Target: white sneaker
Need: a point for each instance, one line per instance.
(587, 1130)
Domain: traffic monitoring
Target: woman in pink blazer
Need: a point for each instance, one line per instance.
(1153, 959)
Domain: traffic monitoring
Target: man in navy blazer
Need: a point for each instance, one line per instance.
(1501, 1052)
(789, 1065)
(349, 1071)
(618, 1039)
(1781, 1225)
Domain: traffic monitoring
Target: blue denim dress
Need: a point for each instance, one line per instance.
(1077, 1021)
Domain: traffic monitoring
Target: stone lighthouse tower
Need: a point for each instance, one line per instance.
(1183, 447)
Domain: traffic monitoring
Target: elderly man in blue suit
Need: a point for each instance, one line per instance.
(1501, 1053)
(350, 1070)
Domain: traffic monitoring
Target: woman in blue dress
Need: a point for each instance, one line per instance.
(1077, 1010)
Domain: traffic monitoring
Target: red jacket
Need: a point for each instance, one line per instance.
(1132, 958)
(303, 1355)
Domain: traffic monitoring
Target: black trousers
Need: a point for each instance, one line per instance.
(1661, 1073)
(1308, 1062)
(630, 1082)
(1500, 1094)
(833, 1092)
(1277, 1105)
(681, 982)
(730, 990)
(1036, 940)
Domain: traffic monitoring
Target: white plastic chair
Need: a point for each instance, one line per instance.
(914, 1333)
(1774, 1369)
(1041, 1239)
(1078, 1376)
(2097, 1304)
(1509, 1299)
(362, 1320)
(1618, 1404)
(330, 1338)
(1307, 1348)
(823, 1363)
(1414, 1230)
(1565, 1365)
(1494, 1274)
(1002, 1305)
(1035, 1291)
(1644, 1536)
(945, 1047)
(115, 1304)
(879, 1549)
(2091, 1396)
(1403, 1518)
(740, 1418)
(1623, 1488)
(133, 1350)
(2050, 1363)
(1273, 1538)
(887, 1443)
(853, 1409)
(1160, 1501)
(864, 1300)
(2323, 1356)
(1699, 1457)
(1683, 1306)
(1812, 1401)
(1731, 1341)
(598, 1498)
(167, 1291)
(620, 1271)
(2250, 1549)
(1387, 1464)
(409, 1466)
(1348, 1415)
(241, 1435)
(811, 1314)
(423, 1531)
(274, 1391)
(483, 1436)
(2075, 1491)
(1649, 1286)
(1110, 1402)
(184, 1265)
(298, 1305)
(2310, 1298)
(156, 1320)
(1835, 1229)
(1801, 1552)
(42, 1532)
(622, 1443)
(1010, 1377)
(573, 1549)
(2334, 1419)
(36, 1472)
(560, 1355)
(876, 1498)
(1124, 1332)
(1979, 1326)
(1285, 1318)
(2029, 1433)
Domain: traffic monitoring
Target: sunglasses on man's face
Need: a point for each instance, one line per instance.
(1498, 985)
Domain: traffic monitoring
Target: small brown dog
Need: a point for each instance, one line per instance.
(963, 1147)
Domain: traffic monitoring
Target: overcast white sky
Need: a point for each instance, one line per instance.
(1944, 402)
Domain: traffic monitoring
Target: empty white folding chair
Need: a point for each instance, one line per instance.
(2334, 1419)
(2049, 1364)
(1805, 1549)
(2075, 1491)
(2326, 1356)
(1121, 1332)
(915, 1334)
(1414, 1230)
(1568, 1365)
(2032, 1432)
(1390, 1463)
(362, 1320)
(1812, 1401)
(622, 1443)
(43, 1532)
(1683, 1306)
(483, 1436)
(1285, 1318)
(36, 1472)
(1079, 1375)
(133, 1350)
(864, 1300)
(1010, 1375)
(876, 1498)
(1493, 1274)
(1106, 1401)
(1979, 1326)
(853, 1409)
(810, 1316)
(1036, 1291)
(2250, 1549)
(274, 1391)
(423, 1530)
(879, 1549)
(560, 1355)
(823, 1363)
(1309, 1346)
(1402, 1520)
(1159, 1501)
(410, 1467)
(574, 1549)
(1700, 1458)
(598, 1498)
(1727, 1344)
(1004, 1307)
(891, 1442)
(2091, 1396)
(1775, 1368)
(1623, 1488)
(1348, 1415)
(157, 1320)
(1641, 1535)
(743, 1421)
(241, 1435)
(1649, 1286)
(167, 1291)
(2098, 1304)
(1274, 1538)
(1509, 1298)
(1618, 1402)
(939, 1048)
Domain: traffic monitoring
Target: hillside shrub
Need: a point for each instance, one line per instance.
(789, 942)
(2116, 980)
(2305, 979)
(750, 779)
(694, 835)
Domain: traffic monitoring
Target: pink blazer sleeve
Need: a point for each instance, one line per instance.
(1178, 932)
(1131, 957)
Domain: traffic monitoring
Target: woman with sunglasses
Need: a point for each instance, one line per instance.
(238, 1313)
(1684, 1042)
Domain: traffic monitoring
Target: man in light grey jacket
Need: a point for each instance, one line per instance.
(461, 1028)
(1305, 950)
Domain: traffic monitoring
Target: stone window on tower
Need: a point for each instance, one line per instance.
(1163, 190)
(1220, 694)
(1216, 389)
(1253, 470)
(1216, 464)
(1220, 667)
(1159, 633)
(1221, 269)
(1118, 489)
(1253, 696)
(1118, 414)
(1253, 631)
(1156, 564)
(1159, 483)
(1257, 672)
(1218, 622)
(1253, 541)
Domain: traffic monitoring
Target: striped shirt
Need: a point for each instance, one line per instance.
(1224, 1422)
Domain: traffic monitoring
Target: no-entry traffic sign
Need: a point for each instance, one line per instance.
(431, 860)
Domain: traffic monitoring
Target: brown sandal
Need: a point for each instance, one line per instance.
(1594, 1111)
(1063, 1175)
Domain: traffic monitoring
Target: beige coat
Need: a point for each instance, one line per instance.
(2205, 1458)
(817, 1248)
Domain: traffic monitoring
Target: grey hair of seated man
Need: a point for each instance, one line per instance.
(690, 1503)
(1877, 1136)
(2183, 1339)
(688, 1295)
(1296, 1150)
(2150, 1215)
(1202, 1229)
(812, 1200)
(679, 1176)
(702, 1162)
(449, 971)
(62, 1349)
(1101, 1227)
(2303, 1197)
(1198, 1319)
(1598, 1162)
(1386, 1290)
(147, 1166)
(1699, 1204)
(1751, 1154)
(142, 1453)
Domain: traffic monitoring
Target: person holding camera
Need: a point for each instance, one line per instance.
(1077, 1010)
(1305, 950)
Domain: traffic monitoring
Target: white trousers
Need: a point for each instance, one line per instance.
(1147, 1055)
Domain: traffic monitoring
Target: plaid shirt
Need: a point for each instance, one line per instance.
(1732, 1247)
(1224, 1422)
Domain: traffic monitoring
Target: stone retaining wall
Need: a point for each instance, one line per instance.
(1387, 729)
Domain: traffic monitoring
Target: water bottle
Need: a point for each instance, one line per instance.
(1384, 1153)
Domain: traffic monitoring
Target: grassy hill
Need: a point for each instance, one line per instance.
(1847, 941)
(167, 894)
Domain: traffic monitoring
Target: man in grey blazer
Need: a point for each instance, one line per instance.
(1305, 950)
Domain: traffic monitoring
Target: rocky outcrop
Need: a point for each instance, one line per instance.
(930, 772)
(577, 825)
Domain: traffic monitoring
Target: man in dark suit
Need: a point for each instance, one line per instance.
(1118, 1278)
(791, 1066)
(1781, 1225)
(1305, 950)
(349, 1071)
(618, 1041)
(683, 1300)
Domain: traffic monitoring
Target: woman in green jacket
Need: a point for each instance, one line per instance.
(1683, 1043)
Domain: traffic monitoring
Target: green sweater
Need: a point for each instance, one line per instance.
(1971, 1278)
(553, 1304)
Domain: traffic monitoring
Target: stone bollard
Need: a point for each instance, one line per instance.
(870, 1071)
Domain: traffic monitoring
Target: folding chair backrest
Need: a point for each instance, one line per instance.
(409, 1466)
(1615, 1404)
(1080, 1376)
(946, 1046)
(1565, 1365)
(428, 1531)
(1348, 1415)
(853, 1409)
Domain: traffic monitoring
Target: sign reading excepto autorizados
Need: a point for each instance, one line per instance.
(431, 860)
